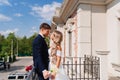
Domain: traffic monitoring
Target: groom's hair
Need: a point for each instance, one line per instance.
(45, 26)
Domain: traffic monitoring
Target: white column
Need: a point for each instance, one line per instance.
(67, 43)
(69, 38)
(73, 43)
(103, 64)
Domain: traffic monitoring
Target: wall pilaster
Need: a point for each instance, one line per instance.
(84, 29)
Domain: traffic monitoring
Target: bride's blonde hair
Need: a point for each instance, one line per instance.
(56, 39)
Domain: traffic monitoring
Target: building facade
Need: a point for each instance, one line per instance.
(89, 27)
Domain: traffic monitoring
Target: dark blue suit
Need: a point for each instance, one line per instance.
(40, 56)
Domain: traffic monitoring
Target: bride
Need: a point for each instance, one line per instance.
(55, 54)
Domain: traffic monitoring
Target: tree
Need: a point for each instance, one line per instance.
(11, 40)
(1, 41)
(12, 45)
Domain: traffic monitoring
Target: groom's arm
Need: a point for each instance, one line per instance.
(37, 50)
(41, 66)
(40, 57)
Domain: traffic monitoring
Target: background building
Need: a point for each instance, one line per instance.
(90, 27)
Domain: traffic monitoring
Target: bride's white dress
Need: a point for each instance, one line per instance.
(61, 74)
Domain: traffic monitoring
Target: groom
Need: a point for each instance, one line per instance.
(40, 52)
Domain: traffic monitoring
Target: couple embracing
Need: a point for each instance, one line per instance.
(47, 61)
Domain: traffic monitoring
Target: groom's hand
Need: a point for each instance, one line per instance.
(45, 74)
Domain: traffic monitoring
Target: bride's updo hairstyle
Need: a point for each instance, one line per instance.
(56, 39)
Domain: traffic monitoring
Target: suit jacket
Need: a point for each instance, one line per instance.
(40, 55)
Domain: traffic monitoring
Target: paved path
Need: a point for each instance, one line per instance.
(18, 66)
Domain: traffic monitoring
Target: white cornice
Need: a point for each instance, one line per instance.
(95, 2)
(108, 1)
(91, 2)
(69, 6)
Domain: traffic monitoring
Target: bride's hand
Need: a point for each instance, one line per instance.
(53, 74)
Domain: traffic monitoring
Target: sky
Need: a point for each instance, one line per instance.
(23, 17)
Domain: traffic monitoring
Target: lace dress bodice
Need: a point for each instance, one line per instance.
(53, 58)
(61, 75)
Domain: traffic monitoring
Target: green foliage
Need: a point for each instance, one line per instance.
(47, 41)
(13, 46)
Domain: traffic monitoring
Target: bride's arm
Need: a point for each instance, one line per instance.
(58, 56)
(58, 61)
